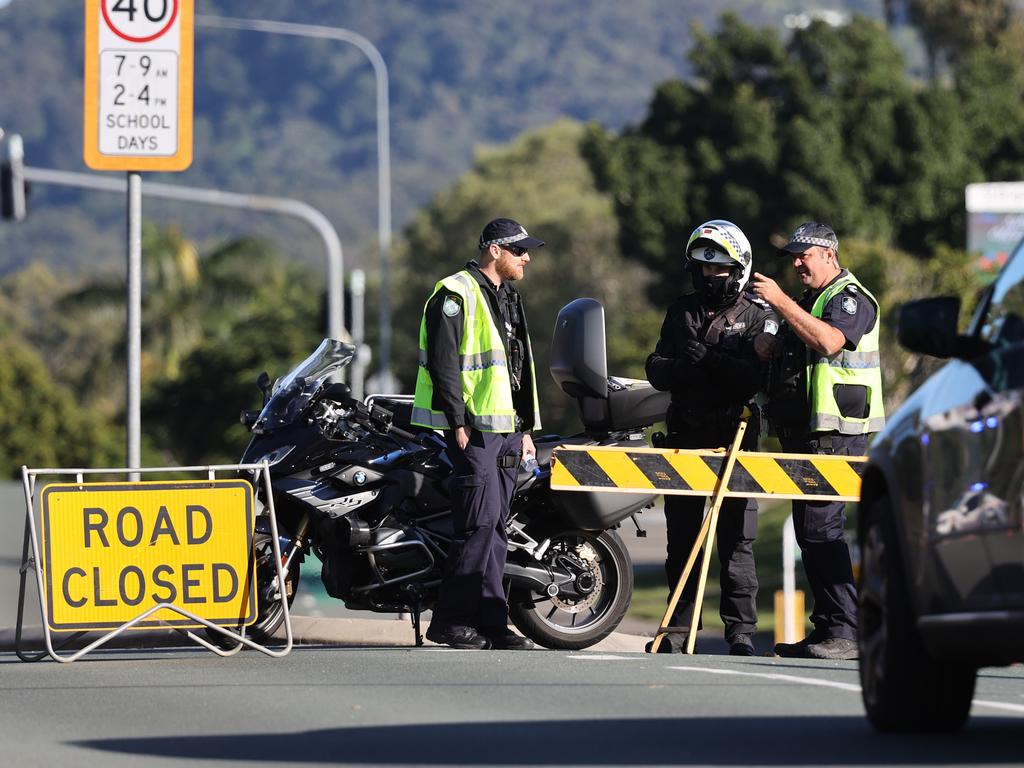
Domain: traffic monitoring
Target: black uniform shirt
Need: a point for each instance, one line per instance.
(444, 317)
(731, 372)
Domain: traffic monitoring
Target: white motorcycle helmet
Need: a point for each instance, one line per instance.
(719, 242)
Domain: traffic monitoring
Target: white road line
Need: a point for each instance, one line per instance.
(1000, 705)
(1005, 706)
(603, 657)
(774, 676)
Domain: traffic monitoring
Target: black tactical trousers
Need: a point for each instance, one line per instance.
(819, 529)
(734, 538)
(472, 593)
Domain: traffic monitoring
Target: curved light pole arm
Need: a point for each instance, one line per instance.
(380, 70)
(282, 205)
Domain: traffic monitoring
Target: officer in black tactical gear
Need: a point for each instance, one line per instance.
(706, 359)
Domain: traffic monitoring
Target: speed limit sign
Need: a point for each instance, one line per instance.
(138, 85)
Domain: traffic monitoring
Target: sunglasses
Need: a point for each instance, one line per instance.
(515, 250)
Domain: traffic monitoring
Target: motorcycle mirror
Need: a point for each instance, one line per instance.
(263, 382)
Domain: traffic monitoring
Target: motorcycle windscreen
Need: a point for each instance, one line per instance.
(295, 389)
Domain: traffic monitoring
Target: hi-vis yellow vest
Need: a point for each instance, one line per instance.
(861, 367)
(486, 382)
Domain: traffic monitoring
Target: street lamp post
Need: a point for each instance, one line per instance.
(380, 70)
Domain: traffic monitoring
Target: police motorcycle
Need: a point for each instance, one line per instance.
(365, 491)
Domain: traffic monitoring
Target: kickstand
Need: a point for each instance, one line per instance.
(416, 621)
(640, 532)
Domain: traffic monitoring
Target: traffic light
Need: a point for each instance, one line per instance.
(13, 190)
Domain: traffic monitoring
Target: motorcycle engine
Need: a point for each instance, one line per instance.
(398, 554)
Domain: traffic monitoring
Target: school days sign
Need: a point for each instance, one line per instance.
(112, 551)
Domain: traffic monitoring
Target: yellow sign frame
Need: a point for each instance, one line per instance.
(156, 536)
(183, 47)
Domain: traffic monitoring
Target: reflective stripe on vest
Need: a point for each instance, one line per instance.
(859, 367)
(486, 384)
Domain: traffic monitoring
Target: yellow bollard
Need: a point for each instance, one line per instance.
(797, 628)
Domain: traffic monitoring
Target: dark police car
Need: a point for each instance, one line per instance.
(940, 521)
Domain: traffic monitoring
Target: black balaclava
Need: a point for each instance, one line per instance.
(717, 292)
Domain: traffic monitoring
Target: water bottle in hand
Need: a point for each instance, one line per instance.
(530, 465)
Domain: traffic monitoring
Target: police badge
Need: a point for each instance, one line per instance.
(849, 305)
(451, 306)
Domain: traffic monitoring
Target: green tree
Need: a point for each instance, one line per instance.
(989, 92)
(952, 28)
(258, 313)
(41, 423)
(825, 126)
(194, 417)
(211, 323)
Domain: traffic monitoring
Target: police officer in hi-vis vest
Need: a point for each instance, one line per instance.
(476, 382)
(825, 398)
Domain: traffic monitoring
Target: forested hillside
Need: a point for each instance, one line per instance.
(750, 121)
(294, 117)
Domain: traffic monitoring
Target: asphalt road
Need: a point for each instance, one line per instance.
(443, 707)
(433, 706)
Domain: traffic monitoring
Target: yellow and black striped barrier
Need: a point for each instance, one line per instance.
(809, 477)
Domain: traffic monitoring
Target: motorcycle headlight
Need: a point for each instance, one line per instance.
(274, 456)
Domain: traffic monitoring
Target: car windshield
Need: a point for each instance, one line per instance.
(295, 389)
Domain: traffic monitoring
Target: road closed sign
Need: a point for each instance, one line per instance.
(138, 85)
(112, 551)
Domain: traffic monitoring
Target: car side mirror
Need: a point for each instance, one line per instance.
(929, 326)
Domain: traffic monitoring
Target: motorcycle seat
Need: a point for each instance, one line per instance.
(629, 403)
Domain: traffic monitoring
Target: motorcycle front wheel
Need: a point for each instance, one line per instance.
(604, 579)
(269, 613)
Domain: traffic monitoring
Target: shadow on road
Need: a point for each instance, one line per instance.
(666, 741)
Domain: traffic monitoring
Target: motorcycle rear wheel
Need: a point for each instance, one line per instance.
(573, 623)
(269, 613)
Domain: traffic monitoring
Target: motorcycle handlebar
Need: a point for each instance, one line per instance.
(402, 433)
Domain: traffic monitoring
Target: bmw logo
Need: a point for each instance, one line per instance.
(359, 478)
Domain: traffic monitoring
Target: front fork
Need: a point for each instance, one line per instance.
(298, 541)
(289, 547)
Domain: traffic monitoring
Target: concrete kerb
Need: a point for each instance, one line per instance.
(308, 630)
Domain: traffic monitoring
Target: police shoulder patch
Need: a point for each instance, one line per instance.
(452, 306)
(849, 305)
(770, 326)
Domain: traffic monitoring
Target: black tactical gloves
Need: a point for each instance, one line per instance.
(694, 351)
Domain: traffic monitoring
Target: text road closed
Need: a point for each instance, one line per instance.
(113, 551)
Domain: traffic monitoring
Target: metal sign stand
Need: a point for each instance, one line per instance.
(33, 562)
(705, 538)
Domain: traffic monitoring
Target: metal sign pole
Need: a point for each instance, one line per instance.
(358, 285)
(137, 116)
(133, 418)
